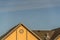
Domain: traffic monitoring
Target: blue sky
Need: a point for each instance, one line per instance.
(35, 14)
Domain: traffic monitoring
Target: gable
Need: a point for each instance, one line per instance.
(24, 34)
(18, 32)
(32, 33)
(21, 33)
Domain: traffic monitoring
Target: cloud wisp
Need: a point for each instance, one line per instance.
(7, 6)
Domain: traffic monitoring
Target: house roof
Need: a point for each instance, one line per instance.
(56, 33)
(14, 28)
(42, 33)
(38, 33)
(52, 33)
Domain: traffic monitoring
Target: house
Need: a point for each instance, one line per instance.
(21, 32)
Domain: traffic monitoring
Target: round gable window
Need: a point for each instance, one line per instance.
(21, 30)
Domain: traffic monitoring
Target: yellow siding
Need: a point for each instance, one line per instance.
(58, 38)
(31, 37)
(21, 36)
(12, 36)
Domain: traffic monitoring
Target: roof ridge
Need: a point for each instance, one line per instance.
(15, 27)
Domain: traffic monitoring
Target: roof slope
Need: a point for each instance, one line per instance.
(8, 32)
(14, 28)
(40, 33)
(56, 33)
(43, 33)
